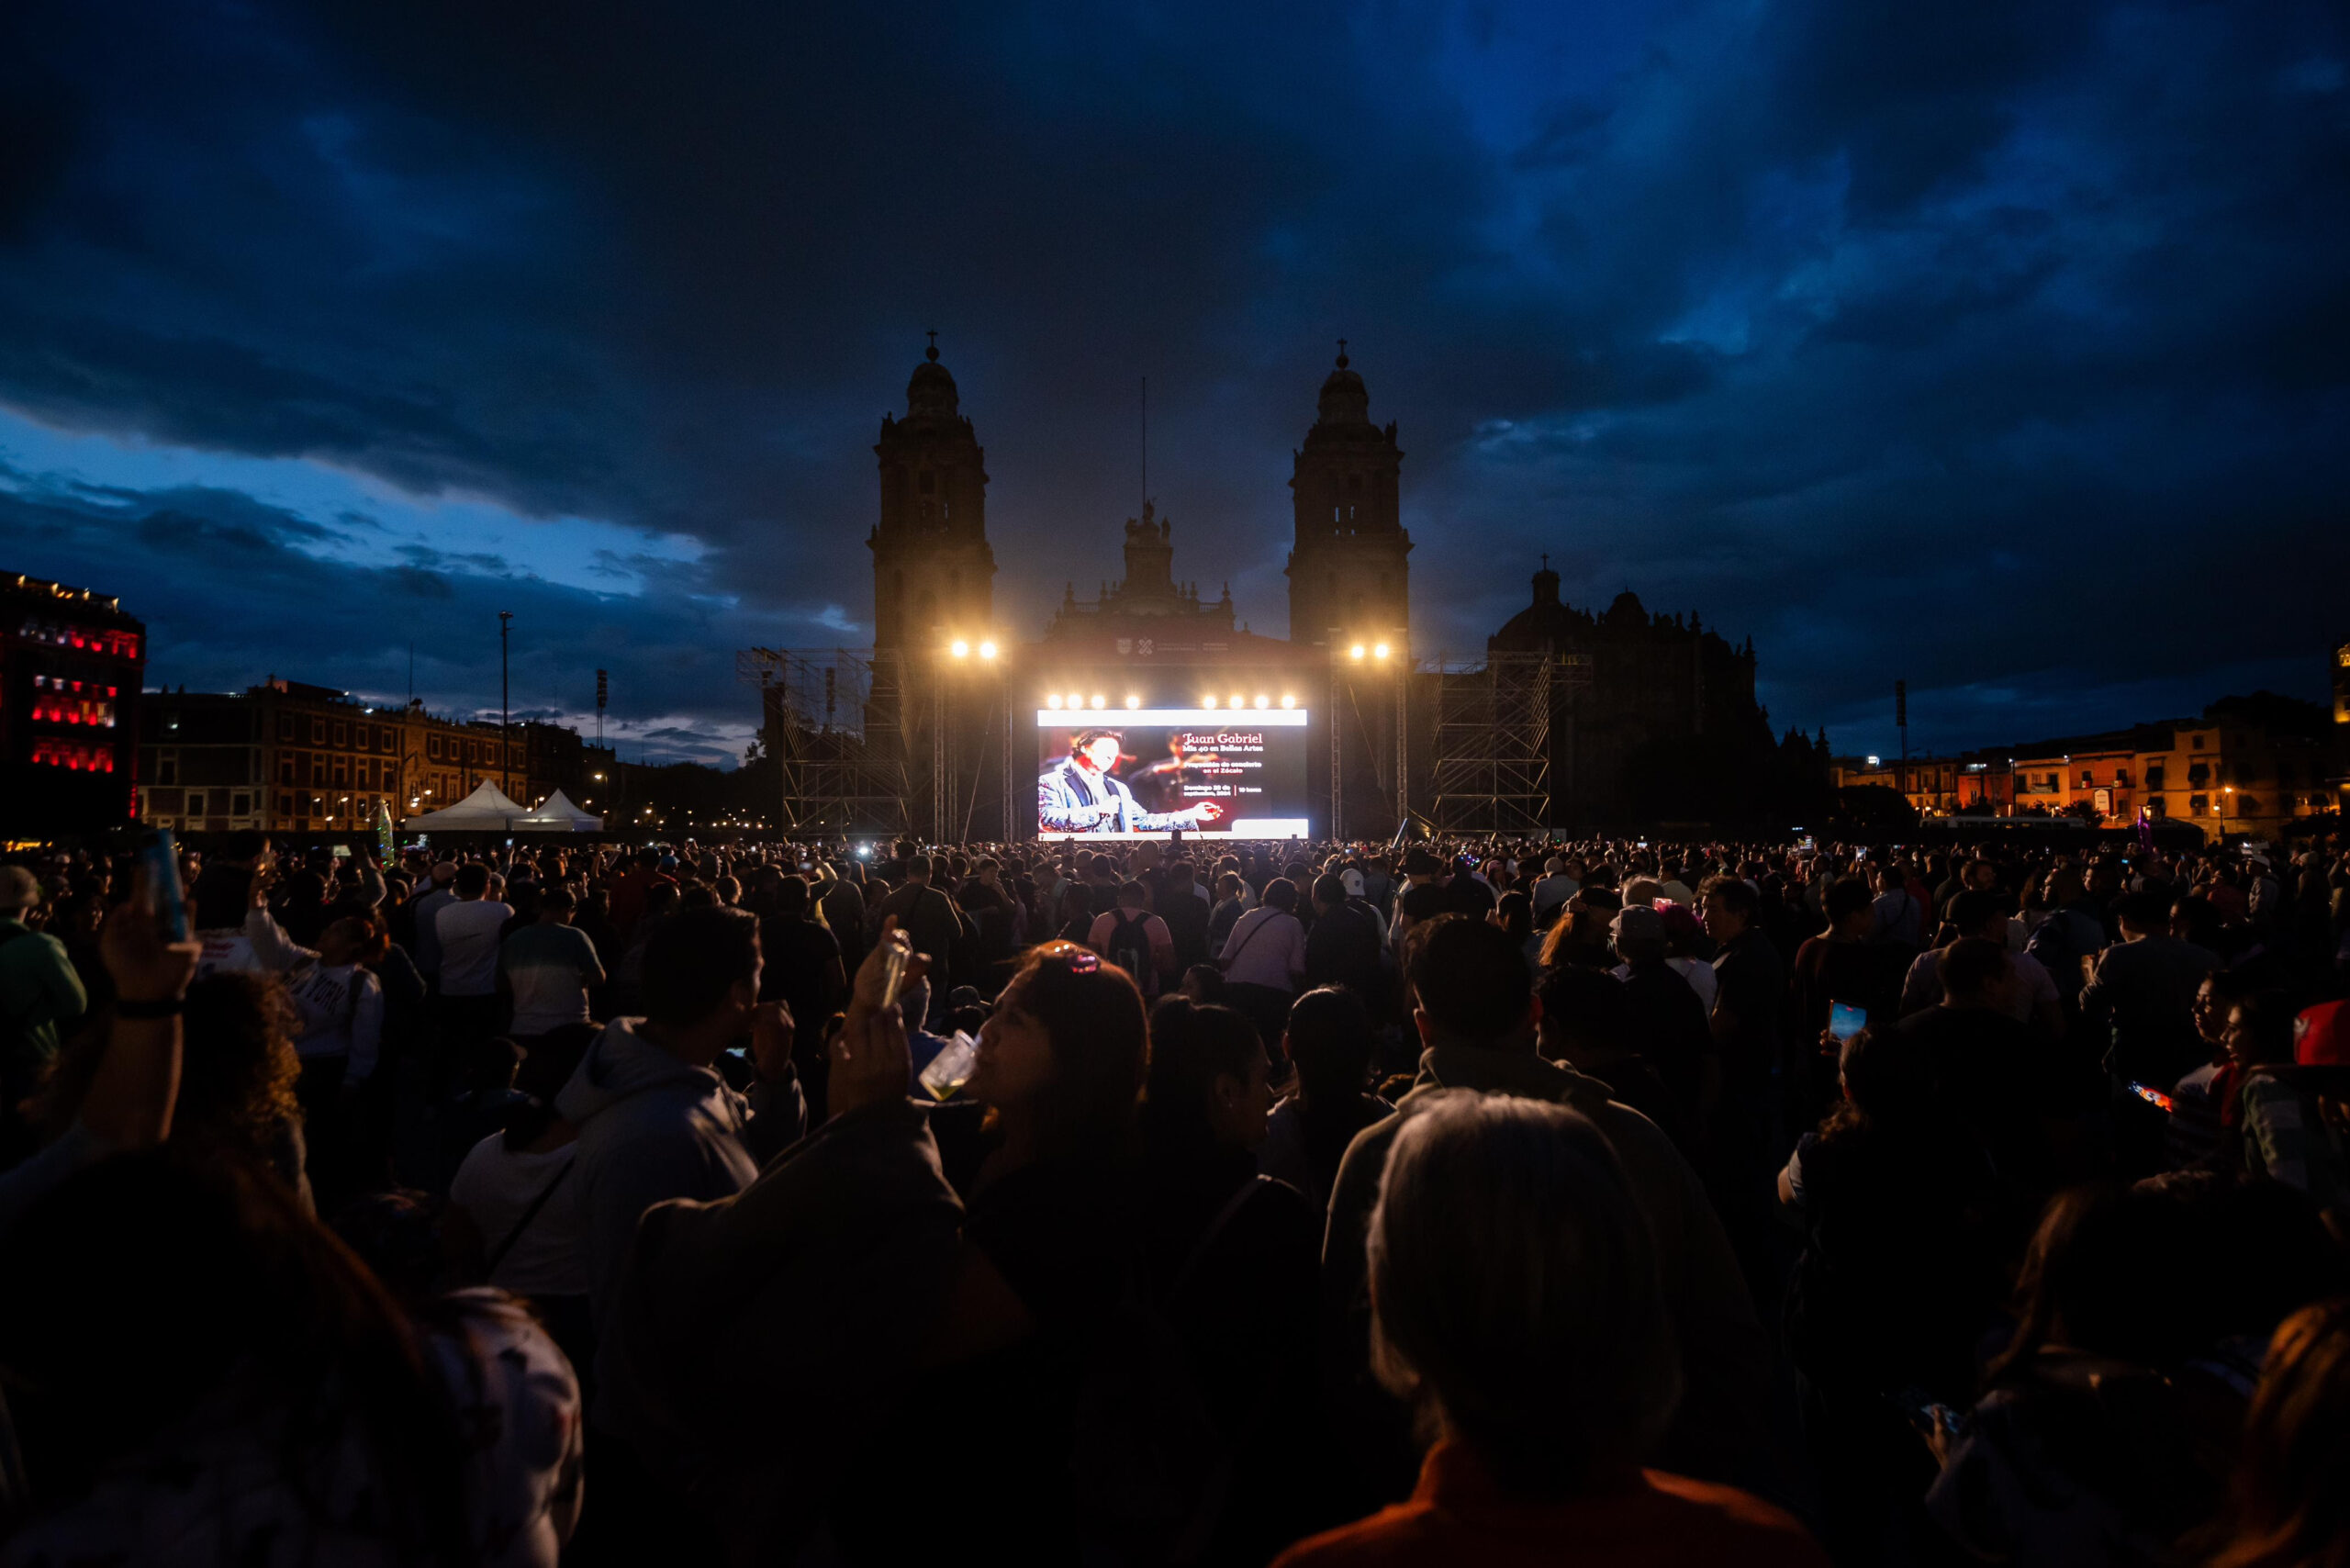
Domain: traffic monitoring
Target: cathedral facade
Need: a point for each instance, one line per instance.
(1651, 712)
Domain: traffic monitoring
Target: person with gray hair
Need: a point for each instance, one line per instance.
(1516, 1303)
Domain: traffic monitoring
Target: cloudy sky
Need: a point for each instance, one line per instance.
(2002, 346)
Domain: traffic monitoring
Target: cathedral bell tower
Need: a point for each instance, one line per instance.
(933, 575)
(1347, 571)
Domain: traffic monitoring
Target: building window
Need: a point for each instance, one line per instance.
(2154, 776)
(473, 751)
(2196, 742)
(342, 777)
(2198, 804)
(432, 747)
(341, 732)
(241, 805)
(2199, 773)
(167, 767)
(195, 802)
(2247, 805)
(285, 726)
(317, 732)
(2154, 808)
(286, 768)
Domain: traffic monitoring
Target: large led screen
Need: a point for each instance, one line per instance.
(1144, 773)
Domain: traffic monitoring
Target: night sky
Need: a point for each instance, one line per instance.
(2001, 346)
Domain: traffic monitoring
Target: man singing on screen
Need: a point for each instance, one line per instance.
(1080, 796)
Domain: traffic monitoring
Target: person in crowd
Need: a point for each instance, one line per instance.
(1231, 903)
(1137, 940)
(1587, 1024)
(924, 912)
(2193, 1131)
(423, 913)
(1264, 960)
(2286, 1504)
(1546, 1389)
(1980, 913)
(1662, 1020)
(118, 1092)
(42, 996)
(1907, 1236)
(1552, 893)
(2279, 1127)
(1750, 994)
(550, 970)
(1476, 1016)
(1343, 946)
(2099, 1441)
(657, 1122)
(2142, 994)
(1232, 1258)
(469, 928)
(1330, 1042)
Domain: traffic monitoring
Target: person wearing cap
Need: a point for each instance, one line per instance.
(41, 998)
(2286, 1063)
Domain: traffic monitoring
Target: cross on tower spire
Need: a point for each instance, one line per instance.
(932, 353)
(1342, 354)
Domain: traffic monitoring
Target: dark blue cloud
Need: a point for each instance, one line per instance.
(2001, 347)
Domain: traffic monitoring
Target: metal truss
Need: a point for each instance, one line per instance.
(1492, 772)
(832, 719)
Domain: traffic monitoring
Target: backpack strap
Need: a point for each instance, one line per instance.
(1216, 1228)
(515, 1235)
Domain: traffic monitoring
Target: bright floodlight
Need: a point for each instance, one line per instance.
(1355, 651)
(1076, 701)
(1209, 700)
(987, 650)
(1263, 701)
(1381, 651)
(1132, 700)
(1235, 701)
(1053, 700)
(1288, 701)
(959, 648)
(1099, 700)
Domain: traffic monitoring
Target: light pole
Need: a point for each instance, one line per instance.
(505, 707)
(958, 653)
(1357, 653)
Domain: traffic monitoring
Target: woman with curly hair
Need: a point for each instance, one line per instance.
(237, 1077)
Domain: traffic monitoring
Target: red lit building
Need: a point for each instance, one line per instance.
(71, 667)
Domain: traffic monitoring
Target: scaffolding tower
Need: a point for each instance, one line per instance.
(1492, 771)
(832, 721)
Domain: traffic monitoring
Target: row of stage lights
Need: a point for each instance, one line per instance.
(1078, 701)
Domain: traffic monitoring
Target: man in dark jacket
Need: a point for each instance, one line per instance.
(1342, 949)
(1663, 1017)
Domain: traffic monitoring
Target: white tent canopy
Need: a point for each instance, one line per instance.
(558, 814)
(486, 810)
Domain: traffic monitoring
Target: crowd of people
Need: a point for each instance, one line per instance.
(1162, 1203)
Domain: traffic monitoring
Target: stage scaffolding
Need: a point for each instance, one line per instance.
(1492, 771)
(831, 722)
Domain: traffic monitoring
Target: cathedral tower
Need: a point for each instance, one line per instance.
(933, 575)
(1347, 570)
